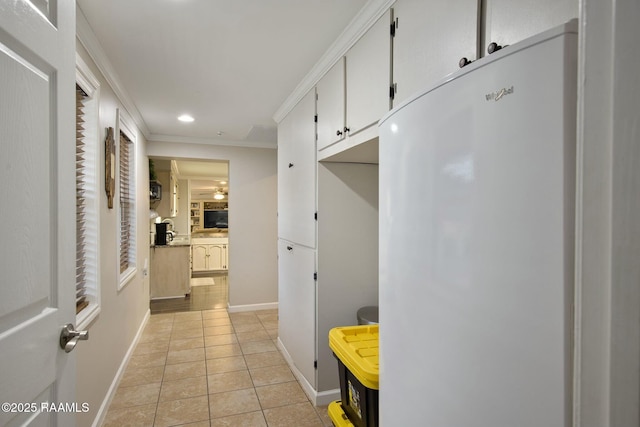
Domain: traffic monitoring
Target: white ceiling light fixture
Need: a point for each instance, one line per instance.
(219, 195)
(186, 118)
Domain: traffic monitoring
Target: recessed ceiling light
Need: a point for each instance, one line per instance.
(186, 118)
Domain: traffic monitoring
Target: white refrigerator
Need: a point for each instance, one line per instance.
(477, 185)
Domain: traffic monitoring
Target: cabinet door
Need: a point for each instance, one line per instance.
(330, 105)
(304, 204)
(297, 306)
(225, 257)
(430, 39)
(216, 255)
(369, 76)
(509, 21)
(285, 176)
(297, 173)
(199, 258)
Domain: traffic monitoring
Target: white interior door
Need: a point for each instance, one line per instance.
(37, 208)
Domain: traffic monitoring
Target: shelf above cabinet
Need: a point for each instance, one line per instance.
(362, 148)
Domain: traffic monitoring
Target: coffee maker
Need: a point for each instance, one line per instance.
(161, 234)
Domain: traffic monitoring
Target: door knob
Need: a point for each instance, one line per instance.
(70, 337)
(493, 47)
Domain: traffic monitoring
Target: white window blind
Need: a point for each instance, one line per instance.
(127, 204)
(86, 205)
(81, 184)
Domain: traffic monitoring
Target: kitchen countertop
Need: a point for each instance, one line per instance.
(172, 245)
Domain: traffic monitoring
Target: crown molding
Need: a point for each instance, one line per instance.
(210, 141)
(88, 39)
(368, 15)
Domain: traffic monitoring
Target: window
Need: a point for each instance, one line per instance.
(87, 196)
(127, 202)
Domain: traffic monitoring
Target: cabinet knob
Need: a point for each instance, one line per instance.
(289, 248)
(338, 133)
(346, 129)
(493, 47)
(464, 62)
(290, 165)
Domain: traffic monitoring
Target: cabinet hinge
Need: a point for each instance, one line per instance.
(315, 276)
(392, 90)
(315, 118)
(394, 25)
(315, 216)
(315, 364)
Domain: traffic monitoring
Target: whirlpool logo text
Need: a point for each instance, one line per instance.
(499, 94)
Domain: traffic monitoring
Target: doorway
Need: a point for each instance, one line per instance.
(198, 218)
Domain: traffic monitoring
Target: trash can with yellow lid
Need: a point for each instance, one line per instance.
(356, 348)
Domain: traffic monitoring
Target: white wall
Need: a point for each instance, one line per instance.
(253, 224)
(607, 343)
(123, 312)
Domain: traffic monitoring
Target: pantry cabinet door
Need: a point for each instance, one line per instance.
(297, 173)
(285, 177)
(430, 39)
(297, 306)
(330, 105)
(303, 227)
(368, 65)
(510, 21)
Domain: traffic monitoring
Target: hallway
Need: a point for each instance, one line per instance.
(211, 368)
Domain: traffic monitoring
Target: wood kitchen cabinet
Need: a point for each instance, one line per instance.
(208, 256)
(170, 276)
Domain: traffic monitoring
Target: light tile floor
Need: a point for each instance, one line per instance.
(211, 368)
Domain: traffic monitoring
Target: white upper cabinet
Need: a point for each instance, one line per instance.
(353, 95)
(509, 21)
(430, 39)
(297, 173)
(331, 106)
(369, 77)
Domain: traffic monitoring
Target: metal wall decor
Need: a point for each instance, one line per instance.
(110, 166)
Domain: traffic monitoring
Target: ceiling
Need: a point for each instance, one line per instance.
(229, 64)
(204, 176)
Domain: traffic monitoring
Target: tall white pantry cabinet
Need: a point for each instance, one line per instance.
(328, 155)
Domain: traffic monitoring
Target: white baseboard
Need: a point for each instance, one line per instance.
(102, 412)
(317, 398)
(252, 307)
(161, 298)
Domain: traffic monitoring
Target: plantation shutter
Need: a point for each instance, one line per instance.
(81, 206)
